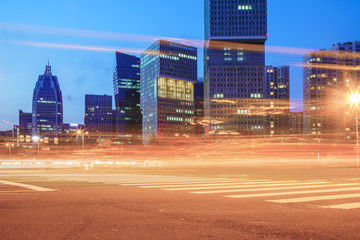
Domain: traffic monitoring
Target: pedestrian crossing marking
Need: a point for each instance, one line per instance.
(238, 187)
(32, 187)
(211, 184)
(345, 206)
(316, 198)
(292, 193)
(251, 188)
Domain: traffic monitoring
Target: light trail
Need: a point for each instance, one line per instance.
(11, 27)
(77, 47)
(327, 66)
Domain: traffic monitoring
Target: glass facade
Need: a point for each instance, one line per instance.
(175, 89)
(126, 81)
(47, 109)
(25, 123)
(234, 63)
(277, 83)
(329, 76)
(98, 114)
(239, 20)
(168, 73)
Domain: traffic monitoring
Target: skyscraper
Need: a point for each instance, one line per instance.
(329, 76)
(25, 123)
(98, 114)
(127, 93)
(199, 107)
(234, 62)
(277, 92)
(47, 108)
(168, 73)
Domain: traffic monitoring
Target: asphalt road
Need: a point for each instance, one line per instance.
(184, 203)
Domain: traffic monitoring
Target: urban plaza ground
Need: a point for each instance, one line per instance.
(249, 188)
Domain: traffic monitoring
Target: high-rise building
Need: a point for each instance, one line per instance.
(47, 108)
(98, 114)
(199, 99)
(25, 123)
(127, 94)
(199, 107)
(296, 123)
(234, 63)
(277, 91)
(329, 76)
(168, 73)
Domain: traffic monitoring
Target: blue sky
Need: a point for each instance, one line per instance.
(305, 24)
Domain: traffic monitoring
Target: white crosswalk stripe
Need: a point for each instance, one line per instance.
(240, 188)
(316, 198)
(292, 193)
(248, 188)
(345, 206)
(172, 183)
(210, 184)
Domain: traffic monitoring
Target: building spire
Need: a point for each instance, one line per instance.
(48, 69)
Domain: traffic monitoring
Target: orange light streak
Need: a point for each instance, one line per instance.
(146, 38)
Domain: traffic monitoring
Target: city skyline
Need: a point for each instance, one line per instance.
(191, 119)
(91, 72)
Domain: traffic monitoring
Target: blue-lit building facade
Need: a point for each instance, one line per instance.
(25, 123)
(199, 107)
(98, 115)
(277, 92)
(234, 63)
(168, 73)
(126, 80)
(327, 112)
(47, 107)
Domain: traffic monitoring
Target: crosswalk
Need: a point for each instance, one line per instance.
(342, 195)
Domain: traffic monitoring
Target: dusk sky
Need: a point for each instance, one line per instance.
(119, 24)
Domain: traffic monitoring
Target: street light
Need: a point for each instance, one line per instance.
(355, 100)
(37, 139)
(82, 134)
(9, 145)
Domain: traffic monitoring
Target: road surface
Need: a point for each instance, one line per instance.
(182, 203)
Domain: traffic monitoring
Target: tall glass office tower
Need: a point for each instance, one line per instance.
(277, 81)
(168, 74)
(127, 93)
(327, 113)
(98, 114)
(47, 108)
(234, 65)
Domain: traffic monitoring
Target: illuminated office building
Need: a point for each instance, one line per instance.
(329, 77)
(98, 115)
(25, 123)
(234, 64)
(126, 80)
(277, 92)
(199, 107)
(168, 73)
(47, 108)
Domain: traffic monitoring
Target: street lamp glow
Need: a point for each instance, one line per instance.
(35, 138)
(355, 98)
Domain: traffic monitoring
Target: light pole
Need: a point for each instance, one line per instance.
(37, 139)
(355, 99)
(82, 134)
(9, 145)
(357, 137)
